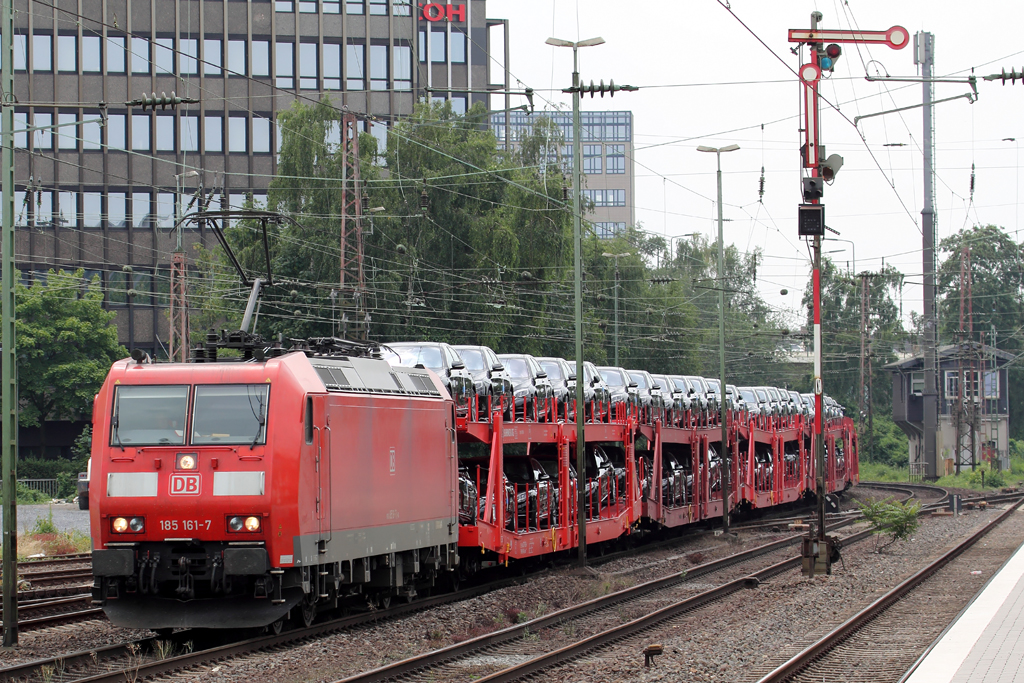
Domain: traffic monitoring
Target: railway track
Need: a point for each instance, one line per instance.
(150, 656)
(895, 627)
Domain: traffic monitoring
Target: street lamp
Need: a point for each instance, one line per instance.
(726, 459)
(672, 243)
(853, 248)
(616, 257)
(577, 168)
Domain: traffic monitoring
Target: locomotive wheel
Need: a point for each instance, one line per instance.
(385, 600)
(307, 610)
(276, 627)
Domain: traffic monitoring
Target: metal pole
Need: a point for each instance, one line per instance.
(616, 311)
(819, 394)
(931, 393)
(723, 417)
(577, 231)
(8, 394)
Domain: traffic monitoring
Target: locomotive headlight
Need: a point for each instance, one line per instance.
(137, 524)
(119, 525)
(236, 523)
(187, 461)
(252, 524)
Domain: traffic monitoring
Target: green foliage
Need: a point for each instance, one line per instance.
(45, 525)
(895, 519)
(973, 479)
(27, 496)
(877, 471)
(66, 344)
(82, 448)
(887, 444)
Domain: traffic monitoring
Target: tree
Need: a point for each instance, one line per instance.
(66, 343)
(997, 293)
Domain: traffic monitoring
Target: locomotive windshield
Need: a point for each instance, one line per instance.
(230, 414)
(149, 416)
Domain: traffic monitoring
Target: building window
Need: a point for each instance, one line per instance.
(67, 210)
(163, 55)
(140, 210)
(164, 133)
(164, 209)
(438, 47)
(458, 104)
(140, 55)
(42, 53)
(213, 134)
(92, 54)
(284, 56)
(91, 132)
(117, 287)
(591, 159)
(42, 138)
(261, 135)
(307, 6)
(308, 77)
(378, 67)
(20, 52)
(332, 66)
(402, 66)
(237, 201)
(67, 53)
(236, 57)
(608, 230)
(605, 197)
(331, 6)
(211, 57)
(458, 47)
(20, 124)
(379, 7)
(917, 383)
(353, 6)
(237, 134)
(91, 58)
(355, 67)
(991, 384)
(67, 135)
(284, 6)
(117, 210)
(422, 47)
(116, 131)
(615, 159)
(401, 8)
(261, 58)
(189, 132)
(140, 132)
(92, 210)
(142, 284)
(188, 56)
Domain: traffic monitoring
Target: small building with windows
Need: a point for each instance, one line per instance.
(985, 403)
(607, 142)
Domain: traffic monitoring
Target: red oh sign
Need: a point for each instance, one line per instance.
(435, 11)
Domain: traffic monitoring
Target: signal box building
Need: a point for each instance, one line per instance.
(99, 191)
(985, 403)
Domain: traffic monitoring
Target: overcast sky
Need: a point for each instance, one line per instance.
(706, 79)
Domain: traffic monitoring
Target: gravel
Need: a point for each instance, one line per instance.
(66, 516)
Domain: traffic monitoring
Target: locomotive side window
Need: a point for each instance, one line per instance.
(309, 419)
(147, 415)
(230, 414)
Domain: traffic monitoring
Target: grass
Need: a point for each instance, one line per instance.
(44, 538)
(875, 471)
(872, 471)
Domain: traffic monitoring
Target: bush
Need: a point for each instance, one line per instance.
(45, 525)
(891, 518)
(27, 496)
(67, 485)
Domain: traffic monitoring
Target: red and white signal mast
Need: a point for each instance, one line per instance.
(811, 223)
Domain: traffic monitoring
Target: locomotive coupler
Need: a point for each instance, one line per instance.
(186, 585)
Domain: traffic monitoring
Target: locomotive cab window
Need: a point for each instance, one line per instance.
(149, 416)
(230, 414)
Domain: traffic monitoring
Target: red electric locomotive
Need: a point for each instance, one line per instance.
(227, 494)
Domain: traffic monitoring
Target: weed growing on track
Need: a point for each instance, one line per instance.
(893, 519)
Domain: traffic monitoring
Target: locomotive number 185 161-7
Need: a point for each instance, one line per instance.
(185, 524)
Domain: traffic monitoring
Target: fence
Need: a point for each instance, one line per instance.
(48, 486)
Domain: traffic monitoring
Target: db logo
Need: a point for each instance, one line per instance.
(185, 484)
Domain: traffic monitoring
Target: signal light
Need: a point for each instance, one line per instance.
(830, 167)
(828, 61)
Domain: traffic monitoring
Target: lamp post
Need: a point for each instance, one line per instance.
(616, 257)
(673, 249)
(853, 248)
(726, 459)
(577, 168)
